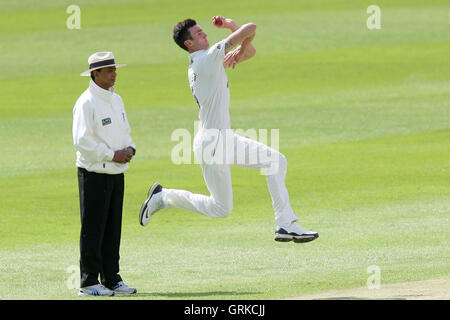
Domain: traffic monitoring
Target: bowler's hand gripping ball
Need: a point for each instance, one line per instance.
(217, 21)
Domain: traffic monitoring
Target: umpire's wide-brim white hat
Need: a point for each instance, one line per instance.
(100, 60)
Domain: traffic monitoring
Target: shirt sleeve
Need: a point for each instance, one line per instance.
(129, 141)
(83, 135)
(215, 55)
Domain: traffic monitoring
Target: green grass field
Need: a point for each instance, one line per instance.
(363, 118)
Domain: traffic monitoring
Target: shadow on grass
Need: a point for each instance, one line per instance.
(355, 298)
(193, 294)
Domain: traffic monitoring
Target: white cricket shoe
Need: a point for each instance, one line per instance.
(95, 290)
(152, 204)
(122, 288)
(294, 233)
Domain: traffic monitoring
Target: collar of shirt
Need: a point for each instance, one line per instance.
(100, 92)
(193, 54)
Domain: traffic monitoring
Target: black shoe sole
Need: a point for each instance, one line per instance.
(303, 240)
(296, 239)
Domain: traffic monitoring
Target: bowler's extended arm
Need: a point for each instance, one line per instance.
(241, 36)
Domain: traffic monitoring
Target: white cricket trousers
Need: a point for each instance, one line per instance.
(216, 150)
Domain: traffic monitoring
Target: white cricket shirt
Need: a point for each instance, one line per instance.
(100, 127)
(209, 85)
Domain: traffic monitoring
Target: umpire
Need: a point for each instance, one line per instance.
(101, 135)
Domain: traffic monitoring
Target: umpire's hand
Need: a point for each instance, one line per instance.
(123, 156)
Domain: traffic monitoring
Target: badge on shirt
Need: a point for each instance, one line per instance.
(106, 121)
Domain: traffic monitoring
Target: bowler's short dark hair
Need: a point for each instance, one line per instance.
(181, 32)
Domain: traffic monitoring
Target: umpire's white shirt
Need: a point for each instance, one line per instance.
(209, 85)
(100, 127)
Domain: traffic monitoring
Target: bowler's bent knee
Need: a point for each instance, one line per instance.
(221, 210)
(278, 165)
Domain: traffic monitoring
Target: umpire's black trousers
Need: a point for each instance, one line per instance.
(101, 201)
